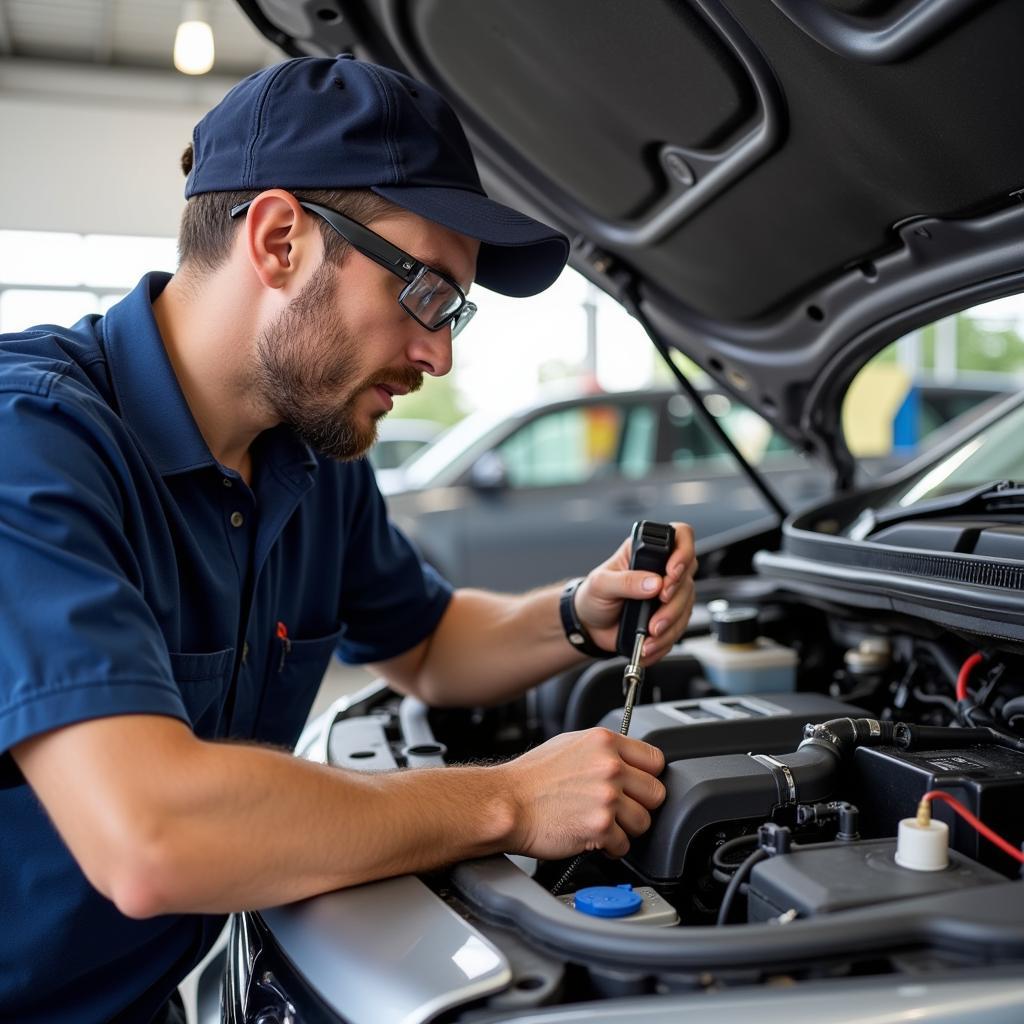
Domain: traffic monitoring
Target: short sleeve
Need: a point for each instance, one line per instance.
(78, 639)
(391, 599)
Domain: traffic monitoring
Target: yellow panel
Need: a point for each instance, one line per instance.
(874, 397)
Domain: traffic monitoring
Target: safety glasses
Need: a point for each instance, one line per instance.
(430, 297)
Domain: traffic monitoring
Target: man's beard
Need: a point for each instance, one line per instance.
(305, 359)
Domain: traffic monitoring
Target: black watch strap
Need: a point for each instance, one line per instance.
(575, 632)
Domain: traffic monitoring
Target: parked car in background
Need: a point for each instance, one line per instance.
(399, 440)
(513, 500)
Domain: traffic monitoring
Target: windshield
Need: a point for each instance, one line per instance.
(993, 454)
(434, 459)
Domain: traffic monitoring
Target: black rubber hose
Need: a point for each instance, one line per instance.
(1014, 706)
(1006, 739)
(723, 870)
(841, 736)
(735, 882)
(984, 922)
(949, 667)
(938, 737)
(936, 698)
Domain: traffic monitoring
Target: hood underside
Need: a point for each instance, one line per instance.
(781, 187)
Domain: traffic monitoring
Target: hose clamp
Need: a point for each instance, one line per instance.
(782, 775)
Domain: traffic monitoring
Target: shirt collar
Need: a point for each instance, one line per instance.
(152, 402)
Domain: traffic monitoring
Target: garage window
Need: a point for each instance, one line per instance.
(49, 277)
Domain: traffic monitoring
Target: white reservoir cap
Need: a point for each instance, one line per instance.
(922, 847)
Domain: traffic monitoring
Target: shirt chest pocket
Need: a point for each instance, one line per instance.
(203, 680)
(293, 674)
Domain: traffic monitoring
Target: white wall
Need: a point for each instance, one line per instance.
(96, 150)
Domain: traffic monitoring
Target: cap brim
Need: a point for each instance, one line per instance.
(519, 256)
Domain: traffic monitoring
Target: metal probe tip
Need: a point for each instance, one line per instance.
(634, 671)
(631, 680)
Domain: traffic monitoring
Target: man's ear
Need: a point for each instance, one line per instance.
(279, 238)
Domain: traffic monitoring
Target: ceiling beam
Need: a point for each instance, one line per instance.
(103, 51)
(6, 43)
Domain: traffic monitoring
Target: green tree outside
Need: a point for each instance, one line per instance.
(437, 400)
(978, 347)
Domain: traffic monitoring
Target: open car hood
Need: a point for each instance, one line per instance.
(780, 188)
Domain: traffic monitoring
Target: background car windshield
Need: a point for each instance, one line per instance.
(934, 382)
(931, 385)
(993, 454)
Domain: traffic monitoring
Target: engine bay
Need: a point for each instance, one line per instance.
(795, 747)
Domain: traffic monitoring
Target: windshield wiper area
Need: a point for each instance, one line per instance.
(1002, 496)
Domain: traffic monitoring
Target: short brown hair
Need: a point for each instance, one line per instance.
(208, 229)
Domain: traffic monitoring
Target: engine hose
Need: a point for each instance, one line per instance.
(949, 668)
(842, 736)
(734, 885)
(938, 737)
(722, 868)
(1013, 707)
(934, 737)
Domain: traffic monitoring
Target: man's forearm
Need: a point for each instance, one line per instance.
(231, 832)
(491, 647)
(218, 827)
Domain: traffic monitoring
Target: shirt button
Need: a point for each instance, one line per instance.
(227, 481)
(245, 652)
(237, 519)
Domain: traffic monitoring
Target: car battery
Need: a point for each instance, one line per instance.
(829, 877)
(987, 779)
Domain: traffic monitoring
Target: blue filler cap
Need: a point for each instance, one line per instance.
(608, 901)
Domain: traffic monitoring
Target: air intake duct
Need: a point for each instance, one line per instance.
(707, 795)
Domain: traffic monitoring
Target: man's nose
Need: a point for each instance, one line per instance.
(431, 351)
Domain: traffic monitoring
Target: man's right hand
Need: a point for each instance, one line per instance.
(580, 791)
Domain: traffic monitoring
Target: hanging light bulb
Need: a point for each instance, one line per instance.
(193, 42)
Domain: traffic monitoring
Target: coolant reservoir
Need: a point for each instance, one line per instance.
(624, 903)
(737, 660)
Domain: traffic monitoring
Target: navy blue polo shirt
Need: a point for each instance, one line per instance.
(140, 576)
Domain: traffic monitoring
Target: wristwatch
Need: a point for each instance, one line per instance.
(575, 632)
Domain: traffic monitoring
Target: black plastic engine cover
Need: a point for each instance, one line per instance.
(766, 722)
(711, 792)
(830, 877)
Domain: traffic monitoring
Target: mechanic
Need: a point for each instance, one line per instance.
(188, 531)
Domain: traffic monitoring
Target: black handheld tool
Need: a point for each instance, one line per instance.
(652, 545)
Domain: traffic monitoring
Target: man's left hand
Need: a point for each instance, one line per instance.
(600, 596)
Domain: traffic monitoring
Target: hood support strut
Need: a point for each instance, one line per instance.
(628, 295)
(831, 443)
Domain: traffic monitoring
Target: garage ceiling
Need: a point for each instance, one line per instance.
(126, 33)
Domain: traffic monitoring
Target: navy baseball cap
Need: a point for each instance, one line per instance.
(337, 123)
